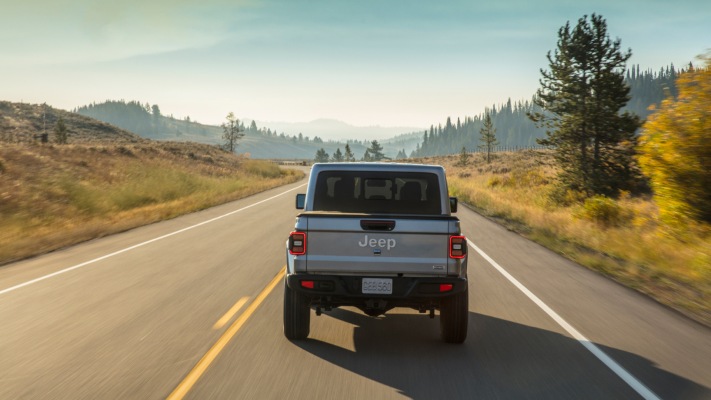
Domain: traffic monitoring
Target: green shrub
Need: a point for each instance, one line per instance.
(563, 196)
(602, 210)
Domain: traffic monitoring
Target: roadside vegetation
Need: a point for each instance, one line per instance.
(53, 196)
(622, 238)
(632, 206)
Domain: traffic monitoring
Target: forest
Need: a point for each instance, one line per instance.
(514, 129)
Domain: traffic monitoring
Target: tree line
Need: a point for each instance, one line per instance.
(510, 119)
(372, 153)
(143, 119)
(514, 127)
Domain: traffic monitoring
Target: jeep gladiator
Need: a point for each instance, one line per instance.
(376, 236)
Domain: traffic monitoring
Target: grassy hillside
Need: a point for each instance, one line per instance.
(20, 122)
(107, 180)
(621, 238)
(54, 196)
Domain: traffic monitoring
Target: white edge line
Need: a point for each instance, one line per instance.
(84, 264)
(635, 384)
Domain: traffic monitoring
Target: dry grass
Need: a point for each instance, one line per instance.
(55, 196)
(21, 122)
(627, 243)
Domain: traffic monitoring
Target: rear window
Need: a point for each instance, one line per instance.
(378, 192)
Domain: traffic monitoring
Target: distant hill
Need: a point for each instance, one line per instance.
(406, 142)
(264, 142)
(22, 123)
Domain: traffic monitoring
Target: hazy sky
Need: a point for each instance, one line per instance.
(365, 62)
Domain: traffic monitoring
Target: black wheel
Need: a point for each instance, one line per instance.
(454, 317)
(297, 315)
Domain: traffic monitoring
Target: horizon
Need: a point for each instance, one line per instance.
(367, 64)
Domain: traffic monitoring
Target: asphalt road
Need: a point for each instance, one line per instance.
(191, 308)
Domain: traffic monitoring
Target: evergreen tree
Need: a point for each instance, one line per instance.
(581, 97)
(231, 133)
(463, 157)
(375, 151)
(321, 156)
(488, 136)
(337, 155)
(366, 156)
(60, 131)
(348, 156)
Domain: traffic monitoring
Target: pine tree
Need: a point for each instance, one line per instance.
(348, 156)
(60, 131)
(463, 157)
(417, 152)
(375, 151)
(337, 155)
(321, 156)
(488, 136)
(231, 133)
(581, 97)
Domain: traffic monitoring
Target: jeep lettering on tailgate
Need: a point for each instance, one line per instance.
(382, 243)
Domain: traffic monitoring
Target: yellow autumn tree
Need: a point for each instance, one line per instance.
(675, 149)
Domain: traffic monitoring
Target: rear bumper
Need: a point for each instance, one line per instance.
(344, 289)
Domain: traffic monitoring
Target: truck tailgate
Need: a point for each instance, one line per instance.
(362, 245)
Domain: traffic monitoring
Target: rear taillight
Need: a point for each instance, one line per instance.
(297, 243)
(457, 247)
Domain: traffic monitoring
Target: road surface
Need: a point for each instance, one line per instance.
(191, 308)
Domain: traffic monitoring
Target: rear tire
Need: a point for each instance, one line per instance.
(454, 317)
(297, 314)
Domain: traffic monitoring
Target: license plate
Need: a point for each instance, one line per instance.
(377, 286)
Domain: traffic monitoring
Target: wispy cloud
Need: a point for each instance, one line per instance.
(364, 61)
(68, 31)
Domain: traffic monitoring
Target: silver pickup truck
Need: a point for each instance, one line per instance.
(376, 236)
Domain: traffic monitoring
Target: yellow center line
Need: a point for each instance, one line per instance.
(231, 313)
(202, 365)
